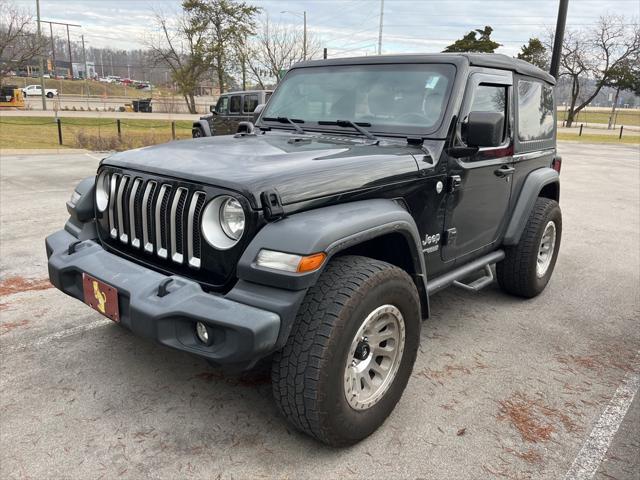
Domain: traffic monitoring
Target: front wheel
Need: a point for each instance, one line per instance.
(351, 351)
(528, 266)
(197, 132)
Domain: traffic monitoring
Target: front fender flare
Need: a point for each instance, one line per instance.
(530, 191)
(330, 230)
(204, 126)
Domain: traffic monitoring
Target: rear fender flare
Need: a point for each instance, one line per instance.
(530, 191)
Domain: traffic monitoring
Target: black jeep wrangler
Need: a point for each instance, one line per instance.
(231, 109)
(314, 238)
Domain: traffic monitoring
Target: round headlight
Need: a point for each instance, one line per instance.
(223, 222)
(102, 192)
(232, 218)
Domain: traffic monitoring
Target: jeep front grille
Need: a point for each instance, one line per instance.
(156, 217)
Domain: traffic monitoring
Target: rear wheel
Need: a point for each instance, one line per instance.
(50, 95)
(351, 350)
(528, 266)
(197, 132)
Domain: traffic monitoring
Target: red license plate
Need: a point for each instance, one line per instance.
(101, 297)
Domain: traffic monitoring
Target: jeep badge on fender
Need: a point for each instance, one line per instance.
(314, 236)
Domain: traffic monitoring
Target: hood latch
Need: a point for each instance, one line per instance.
(272, 204)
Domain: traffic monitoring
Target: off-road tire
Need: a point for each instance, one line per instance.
(517, 272)
(197, 133)
(308, 373)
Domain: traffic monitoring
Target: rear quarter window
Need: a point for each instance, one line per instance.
(535, 111)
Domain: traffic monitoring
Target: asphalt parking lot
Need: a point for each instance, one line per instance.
(502, 388)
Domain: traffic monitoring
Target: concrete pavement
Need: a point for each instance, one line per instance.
(502, 388)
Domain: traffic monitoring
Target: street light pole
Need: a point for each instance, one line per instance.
(44, 97)
(380, 30)
(304, 37)
(559, 37)
(304, 40)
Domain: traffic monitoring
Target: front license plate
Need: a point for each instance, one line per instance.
(101, 297)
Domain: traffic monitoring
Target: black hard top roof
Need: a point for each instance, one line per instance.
(490, 60)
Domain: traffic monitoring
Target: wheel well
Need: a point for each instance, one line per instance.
(392, 248)
(551, 191)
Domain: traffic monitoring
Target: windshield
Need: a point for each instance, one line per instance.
(399, 98)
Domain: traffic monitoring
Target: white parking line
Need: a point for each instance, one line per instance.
(56, 336)
(595, 447)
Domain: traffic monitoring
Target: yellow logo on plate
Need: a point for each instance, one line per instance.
(101, 297)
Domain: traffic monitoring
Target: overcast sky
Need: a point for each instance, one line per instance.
(349, 27)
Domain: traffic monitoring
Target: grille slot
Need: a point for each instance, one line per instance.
(161, 218)
(193, 229)
(133, 217)
(120, 208)
(176, 218)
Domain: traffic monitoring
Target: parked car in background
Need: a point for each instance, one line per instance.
(31, 90)
(231, 109)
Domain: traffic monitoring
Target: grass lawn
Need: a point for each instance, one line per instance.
(600, 138)
(624, 117)
(90, 133)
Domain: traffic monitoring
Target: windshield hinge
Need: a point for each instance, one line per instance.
(415, 140)
(272, 204)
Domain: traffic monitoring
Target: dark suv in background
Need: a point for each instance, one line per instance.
(231, 109)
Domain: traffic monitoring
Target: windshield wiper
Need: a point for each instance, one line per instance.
(292, 121)
(349, 123)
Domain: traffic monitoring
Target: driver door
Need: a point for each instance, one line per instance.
(480, 185)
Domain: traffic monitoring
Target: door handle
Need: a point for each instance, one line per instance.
(504, 171)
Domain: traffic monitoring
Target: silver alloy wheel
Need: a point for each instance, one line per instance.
(546, 249)
(374, 357)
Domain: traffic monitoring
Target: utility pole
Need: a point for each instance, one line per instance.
(101, 65)
(380, 30)
(558, 38)
(70, 59)
(53, 50)
(44, 98)
(304, 39)
(86, 70)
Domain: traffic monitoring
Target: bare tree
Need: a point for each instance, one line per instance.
(275, 49)
(185, 49)
(590, 58)
(18, 43)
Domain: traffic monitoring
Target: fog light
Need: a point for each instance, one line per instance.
(203, 333)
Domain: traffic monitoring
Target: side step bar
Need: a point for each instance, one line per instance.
(454, 276)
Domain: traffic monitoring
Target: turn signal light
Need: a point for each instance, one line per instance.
(290, 262)
(311, 262)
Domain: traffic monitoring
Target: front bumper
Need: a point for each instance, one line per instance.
(242, 333)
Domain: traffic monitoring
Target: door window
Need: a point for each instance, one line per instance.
(490, 98)
(535, 111)
(222, 106)
(250, 103)
(235, 104)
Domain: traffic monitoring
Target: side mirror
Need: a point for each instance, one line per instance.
(484, 129)
(212, 109)
(258, 111)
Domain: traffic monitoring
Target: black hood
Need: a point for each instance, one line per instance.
(298, 167)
